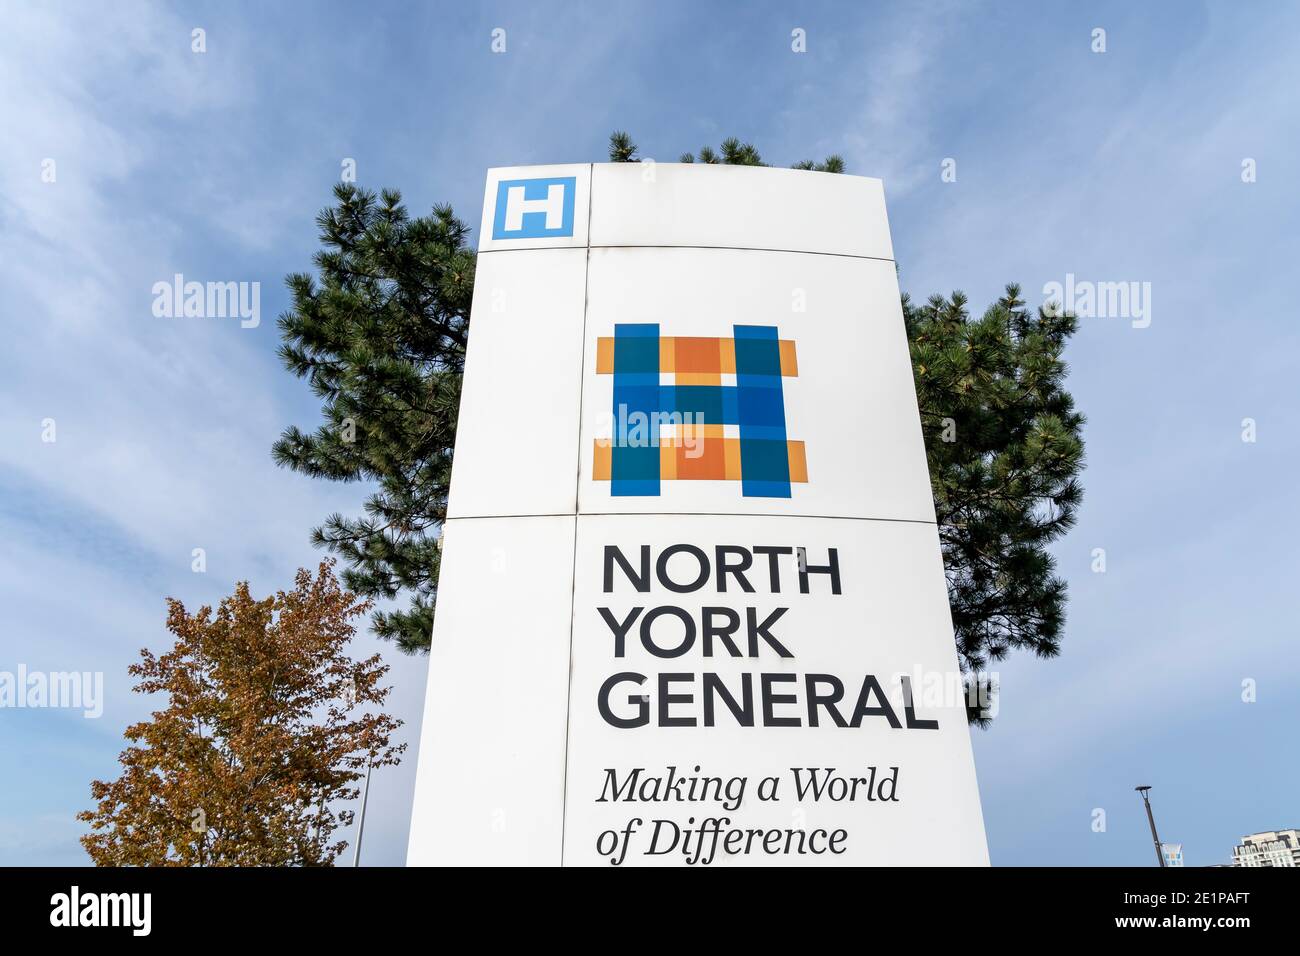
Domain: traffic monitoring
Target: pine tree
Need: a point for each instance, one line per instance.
(382, 339)
(733, 153)
(1004, 446)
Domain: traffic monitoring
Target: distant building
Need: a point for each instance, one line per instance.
(1172, 853)
(1270, 848)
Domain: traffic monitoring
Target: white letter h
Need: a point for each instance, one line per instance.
(517, 205)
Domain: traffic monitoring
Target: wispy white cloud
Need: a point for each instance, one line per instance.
(162, 426)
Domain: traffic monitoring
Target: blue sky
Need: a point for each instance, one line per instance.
(1116, 166)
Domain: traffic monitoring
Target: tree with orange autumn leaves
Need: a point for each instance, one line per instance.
(269, 725)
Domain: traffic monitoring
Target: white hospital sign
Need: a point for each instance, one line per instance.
(691, 580)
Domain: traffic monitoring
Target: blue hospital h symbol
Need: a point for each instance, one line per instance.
(534, 208)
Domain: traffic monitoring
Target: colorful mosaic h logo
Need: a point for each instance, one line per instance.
(697, 428)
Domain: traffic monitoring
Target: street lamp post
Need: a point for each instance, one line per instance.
(1160, 857)
(361, 823)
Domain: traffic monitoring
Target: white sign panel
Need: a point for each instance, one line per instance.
(692, 608)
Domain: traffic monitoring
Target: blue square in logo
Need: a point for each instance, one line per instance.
(534, 208)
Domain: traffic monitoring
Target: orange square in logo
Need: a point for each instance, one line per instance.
(798, 461)
(705, 461)
(696, 355)
(789, 360)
